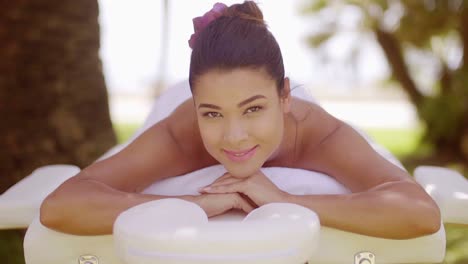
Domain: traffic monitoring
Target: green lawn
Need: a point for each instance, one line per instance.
(401, 142)
(125, 131)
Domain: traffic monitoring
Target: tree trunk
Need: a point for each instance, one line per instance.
(394, 55)
(446, 132)
(53, 98)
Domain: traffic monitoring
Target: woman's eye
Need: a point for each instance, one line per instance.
(253, 109)
(212, 114)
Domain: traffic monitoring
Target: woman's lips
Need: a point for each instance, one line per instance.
(239, 156)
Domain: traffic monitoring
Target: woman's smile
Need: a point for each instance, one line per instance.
(240, 156)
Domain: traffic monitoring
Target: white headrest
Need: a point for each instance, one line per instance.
(176, 231)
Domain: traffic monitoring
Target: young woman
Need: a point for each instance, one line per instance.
(241, 115)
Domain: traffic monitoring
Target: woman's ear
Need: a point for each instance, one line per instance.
(286, 96)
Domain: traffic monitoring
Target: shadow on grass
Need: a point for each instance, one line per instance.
(11, 246)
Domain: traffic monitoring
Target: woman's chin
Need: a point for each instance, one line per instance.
(240, 171)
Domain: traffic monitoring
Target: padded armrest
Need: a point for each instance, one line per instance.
(20, 204)
(46, 246)
(449, 189)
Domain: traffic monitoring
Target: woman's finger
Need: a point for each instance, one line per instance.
(244, 205)
(235, 187)
(248, 200)
(225, 181)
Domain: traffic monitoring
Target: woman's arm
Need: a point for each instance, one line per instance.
(94, 212)
(392, 210)
(90, 202)
(385, 200)
(89, 207)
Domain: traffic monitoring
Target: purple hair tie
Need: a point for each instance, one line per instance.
(199, 23)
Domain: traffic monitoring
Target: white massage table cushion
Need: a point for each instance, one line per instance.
(20, 204)
(449, 189)
(177, 231)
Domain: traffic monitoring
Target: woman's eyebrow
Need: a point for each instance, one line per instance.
(209, 106)
(246, 101)
(251, 99)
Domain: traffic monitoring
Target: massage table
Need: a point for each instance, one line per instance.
(175, 231)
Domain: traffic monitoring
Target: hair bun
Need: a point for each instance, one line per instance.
(247, 10)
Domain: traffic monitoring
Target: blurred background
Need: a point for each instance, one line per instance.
(78, 77)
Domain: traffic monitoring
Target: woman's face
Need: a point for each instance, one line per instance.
(241, 117)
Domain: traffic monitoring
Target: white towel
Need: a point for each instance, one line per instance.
(294, 181)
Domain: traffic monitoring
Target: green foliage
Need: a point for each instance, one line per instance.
(443, 115)
(419, 20)
(318, 39)
(424, 19)
(436, 29)
(316, 6)
(446, 113)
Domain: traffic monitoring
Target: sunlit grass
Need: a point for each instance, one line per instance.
(401, 142)
(125, 131)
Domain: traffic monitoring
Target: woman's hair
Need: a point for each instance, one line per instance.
(238, 38)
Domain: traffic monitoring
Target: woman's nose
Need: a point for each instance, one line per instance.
(235, 132)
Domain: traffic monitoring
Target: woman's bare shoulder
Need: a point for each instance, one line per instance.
(314, 123)
(183, 127)
(169, 148)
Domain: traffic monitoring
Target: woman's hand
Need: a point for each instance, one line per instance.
(257, 187)
(216, 204)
